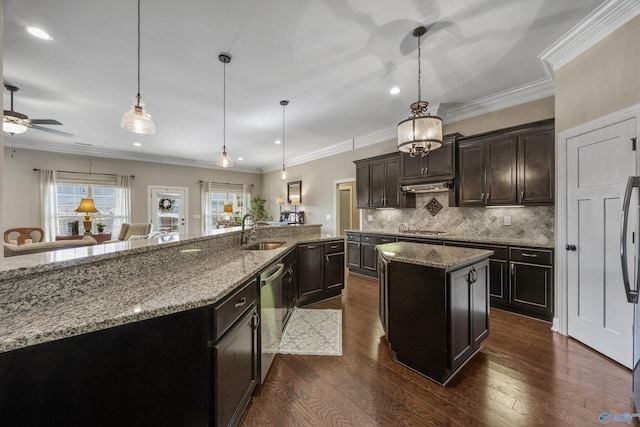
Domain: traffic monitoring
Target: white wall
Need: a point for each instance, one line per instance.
(21, 186)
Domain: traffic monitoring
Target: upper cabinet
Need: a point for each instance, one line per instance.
(512, 166)
(438, 165)
(378, 183)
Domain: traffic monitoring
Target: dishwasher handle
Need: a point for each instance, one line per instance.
(271, 276)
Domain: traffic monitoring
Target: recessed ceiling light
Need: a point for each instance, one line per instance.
(137, 144)
(394, 90)
(277, 141)
(39, 33)
(240, 158)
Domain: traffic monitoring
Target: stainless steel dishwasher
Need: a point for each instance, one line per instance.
(270, 316)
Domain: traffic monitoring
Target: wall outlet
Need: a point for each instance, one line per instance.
(369, 218)
(507, 220)
(328, 217)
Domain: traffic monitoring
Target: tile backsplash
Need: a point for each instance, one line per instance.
(535, 223)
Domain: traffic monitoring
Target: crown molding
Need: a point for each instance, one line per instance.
(505, 99)
(604, 20)
(83, 150)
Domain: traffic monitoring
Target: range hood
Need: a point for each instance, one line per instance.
(429, 187)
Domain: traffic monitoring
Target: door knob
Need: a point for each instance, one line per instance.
(570, 247)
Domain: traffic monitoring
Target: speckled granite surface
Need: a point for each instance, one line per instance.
(445, 257)
(507, 241)
(56, 295)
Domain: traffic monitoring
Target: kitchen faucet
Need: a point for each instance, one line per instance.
(243, 238)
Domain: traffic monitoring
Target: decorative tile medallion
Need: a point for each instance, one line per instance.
(433, 206)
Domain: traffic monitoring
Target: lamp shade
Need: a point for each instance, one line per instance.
(280, 201)
(14, 125)
(137, 119)
(420, 133)
(228, 208)
(87, 206)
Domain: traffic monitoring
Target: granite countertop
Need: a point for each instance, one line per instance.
(508, 241)
(448, 258)
(53, 304)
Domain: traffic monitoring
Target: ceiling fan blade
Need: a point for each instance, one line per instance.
(45, 122)
(57, 132)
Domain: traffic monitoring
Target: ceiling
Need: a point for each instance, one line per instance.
(334, 60)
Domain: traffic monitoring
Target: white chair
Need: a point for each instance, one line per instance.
(136, 230)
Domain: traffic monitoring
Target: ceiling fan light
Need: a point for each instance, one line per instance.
(224, 161)
(14, 125)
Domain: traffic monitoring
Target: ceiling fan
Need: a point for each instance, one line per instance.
(14, 122)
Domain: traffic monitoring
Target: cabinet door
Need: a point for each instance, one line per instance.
(392, 191)
(501, 170)
(235, 370)
(480, 303)
(532, 288)
(334, 270)
(383, 307)
(471, 189)
(536, 167)
(460, 333)
(412, 167)
(369, 257)
(499, 280)
(362, 185)
(310, 270)
(287, 289)
(439, 163)
(353, 255)
(376, 184)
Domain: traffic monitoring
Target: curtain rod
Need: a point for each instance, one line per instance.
(87, 173)
(222, 183)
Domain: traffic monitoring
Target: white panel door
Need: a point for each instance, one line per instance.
(168, 209)
(598, 165)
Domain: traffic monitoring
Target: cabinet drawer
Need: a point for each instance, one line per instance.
(377, 240)
(333, 247)
(353, 237)
(227, 312)
(499, 252)
(531, 256)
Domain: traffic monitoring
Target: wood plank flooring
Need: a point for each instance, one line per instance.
(525, 375)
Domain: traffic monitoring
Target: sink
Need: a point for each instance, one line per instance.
(263, 246)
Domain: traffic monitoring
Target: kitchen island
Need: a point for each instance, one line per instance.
(149, 332)
(434, 305)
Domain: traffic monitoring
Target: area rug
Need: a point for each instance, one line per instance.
(316, 332)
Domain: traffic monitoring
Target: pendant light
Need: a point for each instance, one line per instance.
(224, 161)
(421, 133)
(137, 119)
(283, 173)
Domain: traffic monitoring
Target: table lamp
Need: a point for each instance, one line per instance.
(87, 206)
(295, 201)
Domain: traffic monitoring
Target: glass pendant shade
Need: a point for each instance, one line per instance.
(14, 125)
(224, 161)
(137, 119)
(284, 174)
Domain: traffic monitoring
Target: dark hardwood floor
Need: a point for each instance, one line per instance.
(525, 375)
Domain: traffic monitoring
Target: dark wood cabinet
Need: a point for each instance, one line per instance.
(435, 319)
(320, 271)
(152, 372)
(437, 165)
(361, 252)
(235, 372)
(383, 305)
(289, 284)
(507, 167)
(378, 183)
(532, 282)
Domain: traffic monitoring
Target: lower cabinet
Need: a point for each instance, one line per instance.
(320, 270)
(532, 282)
(383, 306)
(193, 368)
(362, 257)
(435, 320)
(289, 285)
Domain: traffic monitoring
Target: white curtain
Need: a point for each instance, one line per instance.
(205, 207)
(49, 203)
(122, 210)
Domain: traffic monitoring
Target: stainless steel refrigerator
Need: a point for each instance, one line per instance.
(631, 284)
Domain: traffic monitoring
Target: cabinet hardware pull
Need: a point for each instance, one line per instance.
(358, 245)
(487, 199)
(242, 302)
(334, 246)
(482, 197)
(311, 247)
(521, 196)
(513, 269)
(529, 255)
(421, 171)
(326, 259)
(256, 317)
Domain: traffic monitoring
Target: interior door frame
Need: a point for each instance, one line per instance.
(335, 204)
(561, 318)
(150, 208)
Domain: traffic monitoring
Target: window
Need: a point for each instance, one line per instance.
(219, 194)
(69, 196)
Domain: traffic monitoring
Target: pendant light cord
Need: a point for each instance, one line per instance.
(138, 96)
(283, 106)
(224, 107)
(419, 71)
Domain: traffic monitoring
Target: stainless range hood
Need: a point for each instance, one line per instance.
(430, 187)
